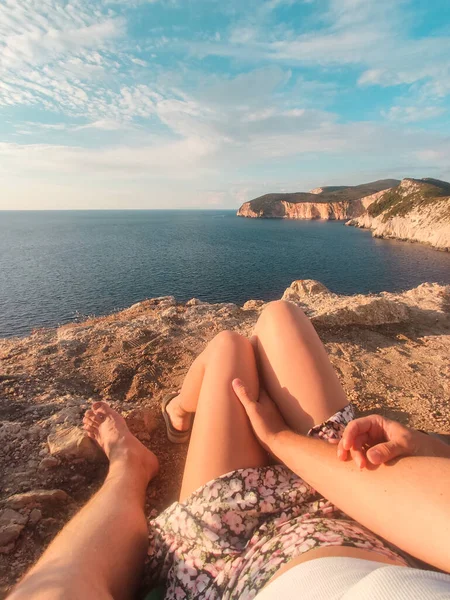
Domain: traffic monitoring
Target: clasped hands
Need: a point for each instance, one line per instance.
(371, 440)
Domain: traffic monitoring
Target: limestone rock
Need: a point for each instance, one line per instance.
(142, 421)
(8, 516)
(169, 313)
(72, 442)
(50, 462)
(69, 415)
(253, 305)
(303, 288)
(35, 516)
(194, 302)
(10, 531)
(9, 430)
(11, 525)
(370, 312)
(332, 310)
(37, 498)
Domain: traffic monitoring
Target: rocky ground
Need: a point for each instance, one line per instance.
(390, 351)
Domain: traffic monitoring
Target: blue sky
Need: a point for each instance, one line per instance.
(208, 103)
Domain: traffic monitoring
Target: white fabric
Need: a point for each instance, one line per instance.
(344, 578)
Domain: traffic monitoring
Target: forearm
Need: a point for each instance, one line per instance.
(430, 444)
(407, 503)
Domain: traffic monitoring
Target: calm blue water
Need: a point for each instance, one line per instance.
(55, 264)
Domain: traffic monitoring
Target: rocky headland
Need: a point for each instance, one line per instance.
(330, 203)
(390, 352)
(417, 210)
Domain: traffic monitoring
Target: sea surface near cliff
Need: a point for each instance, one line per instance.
(56, 264)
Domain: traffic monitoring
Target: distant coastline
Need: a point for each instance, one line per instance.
(415, 210)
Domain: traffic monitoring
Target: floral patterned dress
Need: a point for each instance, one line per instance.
(232, 535)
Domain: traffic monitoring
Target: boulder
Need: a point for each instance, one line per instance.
(50, 462)
(332, 310)
(363, 311)
(11, 525)
(303, 288)
(169, 313)
(71, 443)
(35, 516)
(142, 421)
(9, 430)
(253, 305)
(194, 302)
(10, 533)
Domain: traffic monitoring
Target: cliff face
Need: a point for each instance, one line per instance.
(300, 210)
(331, 203)
(415, 210)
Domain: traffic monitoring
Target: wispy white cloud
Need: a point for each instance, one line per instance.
(150, 111)
(413, 114)
(138, 61)
(102, 124)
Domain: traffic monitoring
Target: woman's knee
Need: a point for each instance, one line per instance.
(278, 311)
(228, 340)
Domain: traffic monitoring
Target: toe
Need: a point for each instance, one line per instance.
(90, 421)
(91, 430)
(98, 419)
(101, 407)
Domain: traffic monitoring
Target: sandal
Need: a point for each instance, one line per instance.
(174, 435)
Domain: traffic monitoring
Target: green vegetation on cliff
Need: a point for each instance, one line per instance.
(410, 194)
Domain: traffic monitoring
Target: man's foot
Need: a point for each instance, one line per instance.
(110, 431)
(180, 419)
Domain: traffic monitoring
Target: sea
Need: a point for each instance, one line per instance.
(62, 266)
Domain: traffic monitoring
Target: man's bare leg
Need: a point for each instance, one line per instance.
(100, 553)
(295, 368)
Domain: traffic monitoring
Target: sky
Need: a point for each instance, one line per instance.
(109, 104)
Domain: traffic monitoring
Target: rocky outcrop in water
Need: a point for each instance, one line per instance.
(390, 352)
(417, 210)
(330, 203)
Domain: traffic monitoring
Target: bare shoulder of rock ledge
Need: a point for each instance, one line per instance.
(148, 323)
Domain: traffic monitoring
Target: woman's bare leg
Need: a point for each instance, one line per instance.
(100, 553)
(182, 407)
(222, 438)
(294, 367)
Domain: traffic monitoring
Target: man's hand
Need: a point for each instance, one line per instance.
(263, 413)
(376, 440)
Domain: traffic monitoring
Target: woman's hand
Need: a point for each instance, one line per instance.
(263, 413)
(376, 440)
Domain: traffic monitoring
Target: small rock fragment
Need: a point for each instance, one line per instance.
(35, 516)
(169, 313)
(11, 525)
(193, 302)
(72, 442)
(37, 498)
(253, 305)
(49, 462)
(142, 420)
